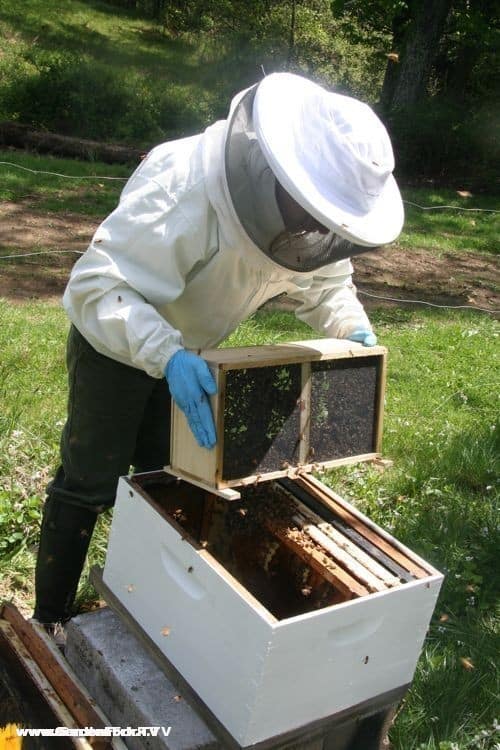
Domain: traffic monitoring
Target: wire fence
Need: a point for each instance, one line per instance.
(360, 291)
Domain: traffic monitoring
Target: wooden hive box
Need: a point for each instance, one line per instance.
(302, 405)
(271, 631)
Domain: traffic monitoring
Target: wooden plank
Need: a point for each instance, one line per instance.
(335, 502)
(68, 692)
(305, 413)
(185, 451)
(358, 554)
(233, 358)
(326, 567)
(186, 455)
(347, 461)
(115, 742)
(379, 418)
(227, 493)
(293, 471)
(190, 460)
(310, 499)
(23, 660)
(345, 544)
(341, 555)
(219, 418)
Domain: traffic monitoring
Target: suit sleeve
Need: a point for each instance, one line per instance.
(328, 301)
(138, 260)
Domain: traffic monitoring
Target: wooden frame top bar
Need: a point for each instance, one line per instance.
(291, 352)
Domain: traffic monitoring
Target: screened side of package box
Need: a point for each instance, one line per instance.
(302, 404)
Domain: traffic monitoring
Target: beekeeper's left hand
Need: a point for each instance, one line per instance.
(367, 338)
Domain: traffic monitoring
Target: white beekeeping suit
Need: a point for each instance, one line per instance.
(274, 200)
(186, 255)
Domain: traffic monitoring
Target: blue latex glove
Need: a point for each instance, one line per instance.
(367, 338)
(191, 383)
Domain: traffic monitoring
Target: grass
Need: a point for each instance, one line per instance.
(441, 425)
(439, 498)
(438, 232)
(450, 231)
(48, 192)
(441, 429)
(100, 71)
(110, 35)
(156, 80)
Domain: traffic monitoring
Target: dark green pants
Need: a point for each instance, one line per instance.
(118, 416)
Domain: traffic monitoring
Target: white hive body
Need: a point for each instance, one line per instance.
(223, 603)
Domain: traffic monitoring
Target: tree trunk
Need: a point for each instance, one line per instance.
(399, 24)
(421, 39)
(23, 136)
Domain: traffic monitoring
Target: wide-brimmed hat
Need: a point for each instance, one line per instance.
(332, 154)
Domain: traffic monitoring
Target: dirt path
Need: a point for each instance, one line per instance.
(453, 279)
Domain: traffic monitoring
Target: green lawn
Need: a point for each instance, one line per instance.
(87, 195)
(441, 423)
(441, 231)
(441, 429)
(440, 497)
(100, 71)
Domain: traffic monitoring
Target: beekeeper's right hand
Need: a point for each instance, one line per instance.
(191, 383)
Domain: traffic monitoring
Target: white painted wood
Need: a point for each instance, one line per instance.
(242, 662)
(318, 665)
(197, 617)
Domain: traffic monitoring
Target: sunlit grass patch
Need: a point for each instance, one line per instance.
(449, 230)
(89, 195)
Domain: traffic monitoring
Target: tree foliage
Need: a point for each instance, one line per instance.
(440, 89)
(429, 66)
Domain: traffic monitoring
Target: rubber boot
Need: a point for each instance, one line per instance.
(64, 541)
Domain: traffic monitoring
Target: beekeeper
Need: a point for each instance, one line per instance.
(273, 200)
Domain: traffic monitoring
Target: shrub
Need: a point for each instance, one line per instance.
(67, 94)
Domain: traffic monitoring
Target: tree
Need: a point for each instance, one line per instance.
(440, 87)
(436, 44)
(417, 31)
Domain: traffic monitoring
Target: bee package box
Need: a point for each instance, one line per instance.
(303, 405)
(241, 598)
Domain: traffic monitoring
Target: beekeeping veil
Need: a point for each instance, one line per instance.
(330, 153)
